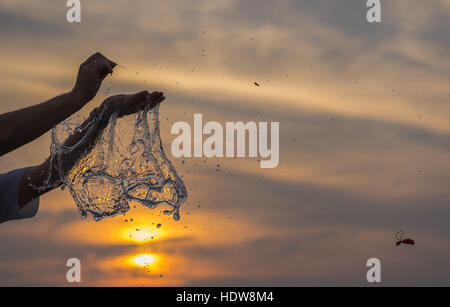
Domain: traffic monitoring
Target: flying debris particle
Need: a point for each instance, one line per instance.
(400, 240)
(257, 84)
(158, 226)
(406, 241)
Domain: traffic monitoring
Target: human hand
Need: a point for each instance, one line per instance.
(90, 76)
(129, 104)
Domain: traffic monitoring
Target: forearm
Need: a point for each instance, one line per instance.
(40, 179)
(33, 178)
(23, 126)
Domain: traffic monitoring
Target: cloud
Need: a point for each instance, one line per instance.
(363, 113)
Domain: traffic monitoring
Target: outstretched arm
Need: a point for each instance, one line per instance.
(23, 126)
(82, 141)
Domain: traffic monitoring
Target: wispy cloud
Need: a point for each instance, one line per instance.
(364, 119)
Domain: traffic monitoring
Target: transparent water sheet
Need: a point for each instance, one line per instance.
(127, 164)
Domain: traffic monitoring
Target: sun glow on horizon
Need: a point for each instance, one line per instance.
(143, 260)
(142, 234)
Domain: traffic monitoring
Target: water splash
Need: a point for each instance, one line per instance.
(127, 164)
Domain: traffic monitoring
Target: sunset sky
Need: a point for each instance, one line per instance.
(364, 112)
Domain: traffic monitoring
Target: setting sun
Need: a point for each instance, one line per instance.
(144, 259)
(161, 154)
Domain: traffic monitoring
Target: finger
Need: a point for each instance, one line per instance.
(96, 58)
(133, 103)
(113, 64)
(135, 100)
(156, 97)
(92, 58)
(103, 68)
(143, 95)
(140, 97)
(102, 57)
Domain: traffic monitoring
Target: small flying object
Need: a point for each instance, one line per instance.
(256, 83)
(400, 240)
